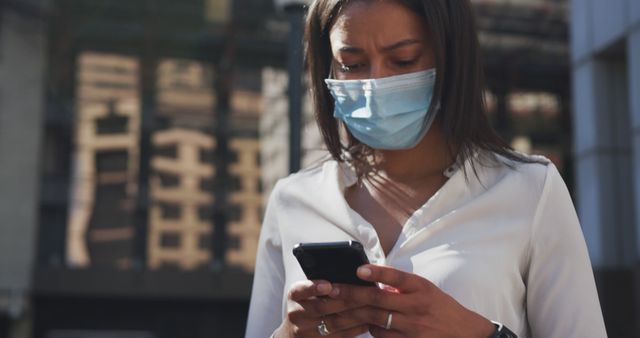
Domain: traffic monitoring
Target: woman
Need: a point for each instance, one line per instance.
(465, 233)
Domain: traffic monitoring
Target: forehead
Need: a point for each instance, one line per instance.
(378, 21)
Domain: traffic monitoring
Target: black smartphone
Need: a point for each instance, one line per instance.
(335, 262)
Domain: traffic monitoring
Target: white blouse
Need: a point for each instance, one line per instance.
(508, 247)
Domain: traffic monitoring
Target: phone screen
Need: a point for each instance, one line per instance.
(335, 262)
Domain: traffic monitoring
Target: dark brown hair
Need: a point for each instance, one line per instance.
(459, 85)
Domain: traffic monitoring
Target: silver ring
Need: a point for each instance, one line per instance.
(322, 329)
(389, 319)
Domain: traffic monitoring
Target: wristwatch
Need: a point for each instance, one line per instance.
(502, 331)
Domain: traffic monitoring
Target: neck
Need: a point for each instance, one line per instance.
(428, 159)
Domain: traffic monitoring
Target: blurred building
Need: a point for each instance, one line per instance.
(138, 148)
(180, 226)
(179, 231)
(23, 45)
(152, 195)
(526, 56)
(248, 199)
(100, 229)
(274, 130)
(605, 45)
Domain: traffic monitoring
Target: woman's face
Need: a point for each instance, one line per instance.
(374, 39)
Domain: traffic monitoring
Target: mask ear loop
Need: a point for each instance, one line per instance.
(343, 134)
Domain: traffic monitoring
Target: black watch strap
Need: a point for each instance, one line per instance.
(502, 331)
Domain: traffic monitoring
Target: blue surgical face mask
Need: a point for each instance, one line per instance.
(386, 113)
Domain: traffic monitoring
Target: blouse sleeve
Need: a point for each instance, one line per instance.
(265, 308)
(562, 301)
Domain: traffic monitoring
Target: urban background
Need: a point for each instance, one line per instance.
(139, 141)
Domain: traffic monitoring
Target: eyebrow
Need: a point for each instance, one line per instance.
(403, 43)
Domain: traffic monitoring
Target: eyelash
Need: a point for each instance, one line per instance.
(348, 68)
(400, 63)
(406, 63)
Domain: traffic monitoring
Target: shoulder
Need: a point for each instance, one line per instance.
(529, 177)
(307, 181)
(533, 169)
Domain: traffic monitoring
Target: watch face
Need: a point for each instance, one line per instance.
(506, 333)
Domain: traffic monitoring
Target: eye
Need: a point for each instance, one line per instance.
(349, 68)
(406, 63)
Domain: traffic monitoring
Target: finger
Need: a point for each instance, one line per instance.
(309, 313)
(403, 281)
(342, 322)
(310, 329)
(306, 289)
(381, 318)
(372, 296)
(350, 333)
(379, 332)
(304, 326)
(318, 307)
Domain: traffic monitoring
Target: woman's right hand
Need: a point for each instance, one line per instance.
(308, 307)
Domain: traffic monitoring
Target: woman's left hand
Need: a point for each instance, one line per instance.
(418, 308)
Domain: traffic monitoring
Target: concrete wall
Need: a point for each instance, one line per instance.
(605, 43)
(603, 88)
(633, 53)
(22, 60)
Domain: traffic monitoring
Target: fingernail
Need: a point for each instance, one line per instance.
(335, 292)
(364, 272)
(324, 287)
(390, 289)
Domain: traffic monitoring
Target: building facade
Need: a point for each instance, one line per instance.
(151, 202)
(605, 45)
(23, 46)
